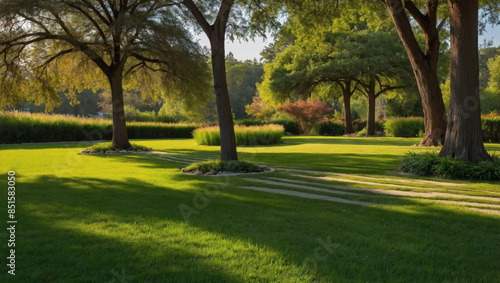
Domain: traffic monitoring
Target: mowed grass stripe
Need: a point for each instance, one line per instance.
(297, 186)
(386, 192)
(393, 180)
(331, 188)
(473, 204)
(171, 160)
(178, 156)
(305, 195)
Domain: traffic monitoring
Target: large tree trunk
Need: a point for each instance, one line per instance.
(432, 102)
(120, 136)
(370, 121)
(464, 135)
(346, 95)
(225, 115)
(424, 64)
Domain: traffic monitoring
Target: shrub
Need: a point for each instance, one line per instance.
(249, 122)
(305, 113)
(430, 164)
(358, 124)
(291, 127)
(253, 135)
(19, 127)
(361, 133)
(404, 127)
(332, 128)
(105, 146)
(422, 164)
(166, 119)
(491, 128)
(223, 166)
(144, 130)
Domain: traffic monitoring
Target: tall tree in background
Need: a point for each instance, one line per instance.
(228, 15)
(345, 61)
(57, 45)
(464, 135)
(216, 34)
(242, 77)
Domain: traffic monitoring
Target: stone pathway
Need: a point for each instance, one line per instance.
(331, 183)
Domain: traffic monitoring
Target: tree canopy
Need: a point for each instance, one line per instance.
(53, 46)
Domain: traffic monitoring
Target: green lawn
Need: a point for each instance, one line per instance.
(135, 218)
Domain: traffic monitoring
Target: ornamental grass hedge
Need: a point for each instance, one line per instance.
(21, 127)
(251, 135)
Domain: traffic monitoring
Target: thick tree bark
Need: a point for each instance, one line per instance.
(433, 105)
(225, 115)
(120, 136)
(424, 64)
(370, 119)
(346, 95)
(216, 33)
(464, 135)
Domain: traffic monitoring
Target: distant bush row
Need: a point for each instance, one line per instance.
(245, 135)
(291, 127)
(408, 127)
(18, 127)
(135, 115)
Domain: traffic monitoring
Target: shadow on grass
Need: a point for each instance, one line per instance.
(83, 229)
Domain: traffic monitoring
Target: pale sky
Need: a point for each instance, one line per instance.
(251, 49)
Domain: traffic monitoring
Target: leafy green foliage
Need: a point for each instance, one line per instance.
(430, 164)
(259, 109)
(336, 127)
(105, 146)
(223, 166)
(242, 78)
(61, 45)
(407, 106)
(16, 127)
(491, 127)
(404, 127)
(252, 135)
(332, 128)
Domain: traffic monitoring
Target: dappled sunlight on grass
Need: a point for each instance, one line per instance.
(83, 217)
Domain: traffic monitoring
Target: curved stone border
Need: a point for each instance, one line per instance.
(88, 152)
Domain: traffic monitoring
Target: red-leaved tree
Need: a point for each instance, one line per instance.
(305, 113)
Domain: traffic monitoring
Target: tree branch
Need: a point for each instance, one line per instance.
(202, 21)
(223, 16)
(421, 19)
(441, 24)
(91, 19)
